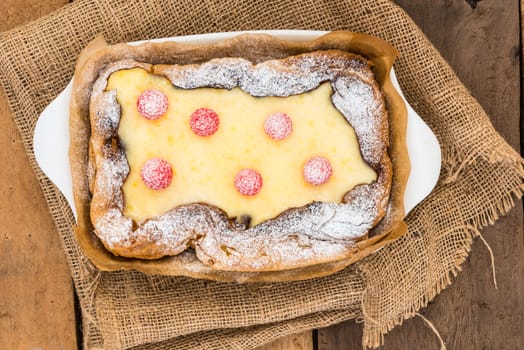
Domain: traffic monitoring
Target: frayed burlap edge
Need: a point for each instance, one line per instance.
(374, 331)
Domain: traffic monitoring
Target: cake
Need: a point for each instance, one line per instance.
(253, 156)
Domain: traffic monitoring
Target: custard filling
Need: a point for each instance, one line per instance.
(204, 167)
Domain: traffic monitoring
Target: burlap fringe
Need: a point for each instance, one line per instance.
(90, 277)
(493, 270)
(454, 161)
(503, 206)
(373, 336)
(434, 329)
(501, 154)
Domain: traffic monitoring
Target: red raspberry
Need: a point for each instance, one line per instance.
(152, 104)
(248, 182)
(278, 126)
(317, 171)
(204, 122)
(157, 173)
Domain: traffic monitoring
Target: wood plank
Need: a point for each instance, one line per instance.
(301, 341)
(36, 297)
(482, 44)
(522, 75)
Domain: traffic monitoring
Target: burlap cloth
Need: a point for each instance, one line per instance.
(481, 178)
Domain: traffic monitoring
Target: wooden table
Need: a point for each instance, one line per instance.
(37, 305)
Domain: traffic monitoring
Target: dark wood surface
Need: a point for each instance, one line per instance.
(36, 293)
(482, 45)
(480, 42)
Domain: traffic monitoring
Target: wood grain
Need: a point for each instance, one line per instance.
(36, 295)
(482, 45)
(301, 341)
(521, 76)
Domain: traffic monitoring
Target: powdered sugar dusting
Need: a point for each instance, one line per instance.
(364, 112)
(316, 232)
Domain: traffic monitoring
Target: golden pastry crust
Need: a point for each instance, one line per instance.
(222, 251)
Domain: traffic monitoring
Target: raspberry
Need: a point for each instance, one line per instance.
(278, 126)
(204, 122)
(152, 104)
(248, 182)
(157, 173)
(317, 171)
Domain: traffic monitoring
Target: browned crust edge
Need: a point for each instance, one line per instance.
(262, 47)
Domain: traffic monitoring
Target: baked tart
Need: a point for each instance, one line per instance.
(250, 159)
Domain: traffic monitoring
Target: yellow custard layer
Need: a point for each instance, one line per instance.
(204, 168)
